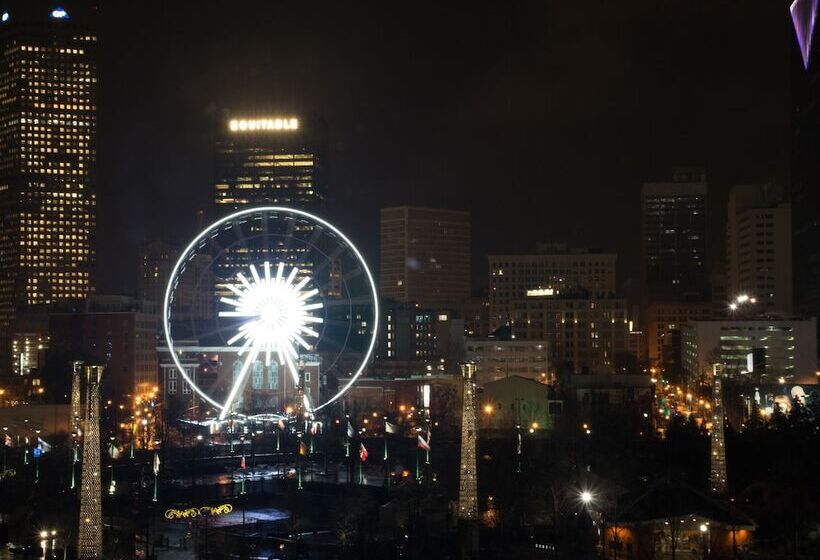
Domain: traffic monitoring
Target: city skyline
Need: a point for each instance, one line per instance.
(164, 153)
(381, 280)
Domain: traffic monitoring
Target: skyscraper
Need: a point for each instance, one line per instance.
(272, 161)
(759, 246)
(269, 161)
(673, 238)
(425, 256)
(48, 90)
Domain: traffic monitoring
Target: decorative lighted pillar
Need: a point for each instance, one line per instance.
(76, 408)
(717, 477)
(89, 543)
(76, 418)
(468, 485)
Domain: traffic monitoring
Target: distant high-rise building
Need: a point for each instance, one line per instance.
(673, 238)
(269, 161)
(425, 256)
(48, 123)
(584, 333)
(272, 161)
(554, 269)
(759, 247)
(193, 296)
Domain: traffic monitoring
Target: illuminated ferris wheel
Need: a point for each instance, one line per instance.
(277, 311)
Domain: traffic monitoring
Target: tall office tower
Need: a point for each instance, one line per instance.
(673, 238)
(717, 477)
(193, 296)
(554, 269)
(468, 481)
(425, 256)
(48, 121)
(805, 165)
(759, 247)
(268, 161)
(89, 541)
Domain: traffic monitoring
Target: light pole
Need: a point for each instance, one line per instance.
(704, 535)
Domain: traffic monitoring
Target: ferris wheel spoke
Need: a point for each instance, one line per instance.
(238, 383)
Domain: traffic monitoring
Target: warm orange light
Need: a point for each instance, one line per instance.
(402, 408)
(488, 409)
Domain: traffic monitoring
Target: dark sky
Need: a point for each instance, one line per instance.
(541, 118)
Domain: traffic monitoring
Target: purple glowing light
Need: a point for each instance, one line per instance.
(804, 13)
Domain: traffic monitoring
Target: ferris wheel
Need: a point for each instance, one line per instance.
(279, 308)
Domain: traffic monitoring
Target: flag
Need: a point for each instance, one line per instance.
(9, 441)
(423, 444)
(350, 432)
(242, 465)
(156, 463)
(281, 423)
(302, 448)
(362, 452)
(45, 446)
(314, 428)
(390, 428)
(518, 446)
(114, 451)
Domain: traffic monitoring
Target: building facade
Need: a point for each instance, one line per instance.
(193, 297)
(759, 247)
(555, 270)
(412, 334)
(500, 358)
(116, 331)
(425, 256)
(757, 351)
(268, 388)
(583, 332)
(48, 130)
(663, 324)
(673, 238)
(515, 403)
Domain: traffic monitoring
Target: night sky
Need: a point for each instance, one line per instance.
(542, 118)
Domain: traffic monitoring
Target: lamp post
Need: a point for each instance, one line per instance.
(704, 535)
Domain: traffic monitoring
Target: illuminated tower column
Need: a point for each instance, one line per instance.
(89, 544)
(468, 491)
(717, 478)
(76, 408)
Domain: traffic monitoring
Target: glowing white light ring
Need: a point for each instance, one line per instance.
(166, 312)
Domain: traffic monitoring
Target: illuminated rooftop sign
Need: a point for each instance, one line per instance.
(261, 125)
(540, 292)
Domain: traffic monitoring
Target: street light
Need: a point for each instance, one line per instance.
(586, 497)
